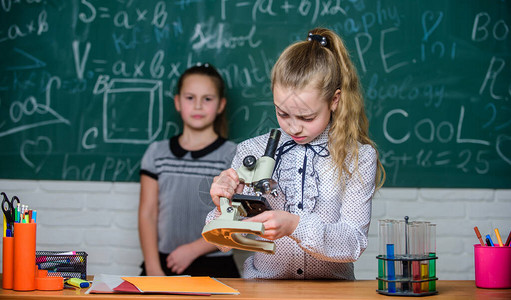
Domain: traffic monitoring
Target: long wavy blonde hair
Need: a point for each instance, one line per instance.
(328, 69)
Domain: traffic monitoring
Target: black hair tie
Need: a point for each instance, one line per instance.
(318, 38)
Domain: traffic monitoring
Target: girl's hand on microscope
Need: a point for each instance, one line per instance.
(225, 185)
(277, 223)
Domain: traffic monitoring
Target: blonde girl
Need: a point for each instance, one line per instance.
(327, 167)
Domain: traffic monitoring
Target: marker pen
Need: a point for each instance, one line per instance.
(34, 216)
(66, 253)
(55, 257)
(52, 264)
(499, 239)
(489, 242)
(478, 234)
(80, 283)
(63, 269)
(16, 213)
(508, 239)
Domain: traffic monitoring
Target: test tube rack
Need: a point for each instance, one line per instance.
(407, 285)
(407, 258)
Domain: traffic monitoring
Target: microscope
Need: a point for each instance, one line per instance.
(228, 229)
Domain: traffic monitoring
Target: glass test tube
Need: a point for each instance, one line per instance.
(382, 228)
(432, 253)
(405, 264)
(391, 273)
(399, 248)
(413, 240)
(424, 245)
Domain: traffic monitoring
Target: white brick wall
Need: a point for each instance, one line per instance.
(455, 211)
(100, 218)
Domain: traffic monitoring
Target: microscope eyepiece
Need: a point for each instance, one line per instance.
(273, 142)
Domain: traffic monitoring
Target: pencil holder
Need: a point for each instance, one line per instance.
(7, 262)
(24, 256)
(492, 267)
(67, 264)
(407, 260)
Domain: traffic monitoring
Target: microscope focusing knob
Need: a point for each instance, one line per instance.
(266, 187)
(249, 162)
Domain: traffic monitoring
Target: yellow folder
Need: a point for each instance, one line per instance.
(185, 285)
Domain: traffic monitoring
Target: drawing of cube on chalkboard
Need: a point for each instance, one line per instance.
(132, 111)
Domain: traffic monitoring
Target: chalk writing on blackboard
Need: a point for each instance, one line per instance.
(87, 85)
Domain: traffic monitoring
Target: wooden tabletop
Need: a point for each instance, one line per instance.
(284, 289)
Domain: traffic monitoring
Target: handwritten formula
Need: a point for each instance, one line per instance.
(87, 85)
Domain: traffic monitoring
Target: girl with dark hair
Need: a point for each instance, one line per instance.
(175, 177)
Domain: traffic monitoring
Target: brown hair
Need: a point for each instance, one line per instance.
(328, 68)
(220, 124)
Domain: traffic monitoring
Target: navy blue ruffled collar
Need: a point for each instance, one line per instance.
(179, 151)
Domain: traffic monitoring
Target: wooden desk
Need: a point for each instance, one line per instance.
(284, 289)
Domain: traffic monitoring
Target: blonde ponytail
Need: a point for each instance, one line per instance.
(324, 62)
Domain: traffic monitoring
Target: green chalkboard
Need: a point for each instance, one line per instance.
(86, 85)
